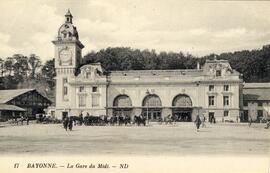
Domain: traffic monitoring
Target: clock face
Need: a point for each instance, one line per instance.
(65, 55)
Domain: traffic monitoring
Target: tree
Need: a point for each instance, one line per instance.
(48, 73)
(34, 65)
(8, 66)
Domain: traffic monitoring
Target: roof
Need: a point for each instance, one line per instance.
(68, 13)
(192, 72)
(256, 85)
(7, 95)
(256, 91)
(6, 107)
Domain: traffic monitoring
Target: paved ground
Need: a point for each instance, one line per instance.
(177, 140)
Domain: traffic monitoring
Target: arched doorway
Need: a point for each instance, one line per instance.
(182, 107)
(152, 107)
(122, 105)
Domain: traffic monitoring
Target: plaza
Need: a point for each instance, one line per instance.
(180, 139)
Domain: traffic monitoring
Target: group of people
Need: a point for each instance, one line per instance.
(21, 119)
(125, 119)
(68, 123)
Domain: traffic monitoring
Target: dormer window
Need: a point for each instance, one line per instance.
(87, 74)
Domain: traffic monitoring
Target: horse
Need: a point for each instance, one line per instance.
(127, 120)
(92, 120)
(113, 120)
(139, 120)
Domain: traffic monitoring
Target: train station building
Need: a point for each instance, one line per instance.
(213, 90)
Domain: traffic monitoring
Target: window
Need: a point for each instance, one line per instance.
(211, 100)
(226, 88)
(81, 89)
(211, 87)
(226, 113)
(245, 103)
(260, 103)
(95, 100)
(226, 100)
(65, 90)
(81, 100)
(94, 89)
(218, 73)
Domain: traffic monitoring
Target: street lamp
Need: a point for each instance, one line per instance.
(147, 105)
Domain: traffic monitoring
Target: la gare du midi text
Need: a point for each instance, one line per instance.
(77, 165)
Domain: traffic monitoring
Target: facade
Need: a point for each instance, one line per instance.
(213, 90)
(21, 101)
(256, 104)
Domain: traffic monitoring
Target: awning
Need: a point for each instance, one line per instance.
(5, 107)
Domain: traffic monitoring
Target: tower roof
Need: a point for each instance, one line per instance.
(68, 31)
(68, 13)
(68, 16)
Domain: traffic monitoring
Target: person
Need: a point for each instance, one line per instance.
(250, 121)
(214, 119)
(27, 120)
(198, 122)
(80, 119)
(70, 124)
(267, 124)
(65, 123)
(203, 121)
(16, 121)
(21, 119)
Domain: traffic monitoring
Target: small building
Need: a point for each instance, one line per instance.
(256, 101)
(8, 111)
(18, 101)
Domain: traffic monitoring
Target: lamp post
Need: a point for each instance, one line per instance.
(147, 105)
(69, 111)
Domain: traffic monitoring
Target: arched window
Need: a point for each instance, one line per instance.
(152, 101)
(182, 100)
(122, 101)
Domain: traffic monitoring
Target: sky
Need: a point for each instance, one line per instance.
(196, 27)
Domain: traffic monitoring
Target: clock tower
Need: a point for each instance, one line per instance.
(67, 59)
(67, 46)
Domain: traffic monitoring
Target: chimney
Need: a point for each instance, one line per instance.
(198, 65)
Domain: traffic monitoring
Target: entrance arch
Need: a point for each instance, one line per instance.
(152, 107)
(182, 100)
(182, 107)
(122, 105)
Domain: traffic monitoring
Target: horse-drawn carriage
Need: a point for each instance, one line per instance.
(44, 119)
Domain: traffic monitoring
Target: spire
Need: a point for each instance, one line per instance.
(68, 17)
